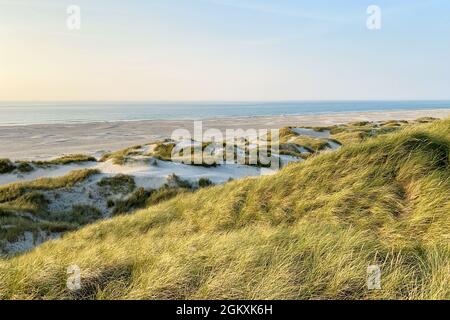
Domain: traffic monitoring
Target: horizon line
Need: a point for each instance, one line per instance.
(226, 101)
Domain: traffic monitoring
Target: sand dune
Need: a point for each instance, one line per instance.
(47, 141)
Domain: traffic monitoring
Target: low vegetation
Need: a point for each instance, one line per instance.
(13, 191)
(6, 166)
(303, 146)
(142, 198)
(21, 167)
(308, 232)
(120, 157)
(120, 183)
(67, 159)
(24, 207)
(204, 182)
(136, 200)
(24, 167)
(193, 155)
(357, 132)
(83, 214)
(163, 151)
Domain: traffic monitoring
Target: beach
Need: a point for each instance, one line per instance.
(32, 142)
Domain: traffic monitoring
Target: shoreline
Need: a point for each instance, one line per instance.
(44, 141)
(306, 114)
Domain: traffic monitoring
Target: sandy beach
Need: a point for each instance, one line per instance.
(47, 141)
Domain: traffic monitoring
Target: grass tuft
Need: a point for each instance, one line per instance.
(67, 159)
(120, 183)
(6, 166)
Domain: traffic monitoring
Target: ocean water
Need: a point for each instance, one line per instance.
(21, 113)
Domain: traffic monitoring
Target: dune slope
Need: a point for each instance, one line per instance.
(308, 232)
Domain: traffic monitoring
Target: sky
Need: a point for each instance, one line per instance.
(224, 50)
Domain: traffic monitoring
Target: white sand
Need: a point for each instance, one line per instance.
(146, 175)
(31, 142)
(47, 141)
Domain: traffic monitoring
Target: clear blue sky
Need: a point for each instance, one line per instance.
(224, 50)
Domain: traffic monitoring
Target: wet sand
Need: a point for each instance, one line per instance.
(48, 141)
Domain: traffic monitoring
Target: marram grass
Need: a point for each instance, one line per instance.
(308, 232)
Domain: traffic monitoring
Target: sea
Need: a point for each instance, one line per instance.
(27, 113)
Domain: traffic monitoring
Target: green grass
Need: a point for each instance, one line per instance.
(122, 156)
(142, 198)
(204, 182)
(83, 214)
(290, 141)
(163, 151)
(6, 166)
(308, 232)
(24, 167)
(310, 143)
(17, 225)
(357, 132)
(174, 181)
(120, 183)
(68, 159)
(23, 207)
(426, 119)
(13, 191)
(135, 201)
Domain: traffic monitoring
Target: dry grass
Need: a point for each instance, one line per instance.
(23, 207)
(67, 159)
(308, 232)
(120, 157)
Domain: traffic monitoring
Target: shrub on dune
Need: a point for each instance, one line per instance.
(6, 166)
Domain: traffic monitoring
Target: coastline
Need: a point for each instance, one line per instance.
(31, 142)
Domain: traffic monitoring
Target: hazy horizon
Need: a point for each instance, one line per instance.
(222, 101)
(224, 51)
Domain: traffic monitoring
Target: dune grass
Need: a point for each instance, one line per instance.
(310, 143)
(142, 198)
(308, 232)
(204, 183)
(67, 159)
(192, 155)
(24, 167)
(357, 132)
(163, 151)
(6, 166)
(23, 207)
(120, 183)
(13, 191)
(120, 157)
(301, 146)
